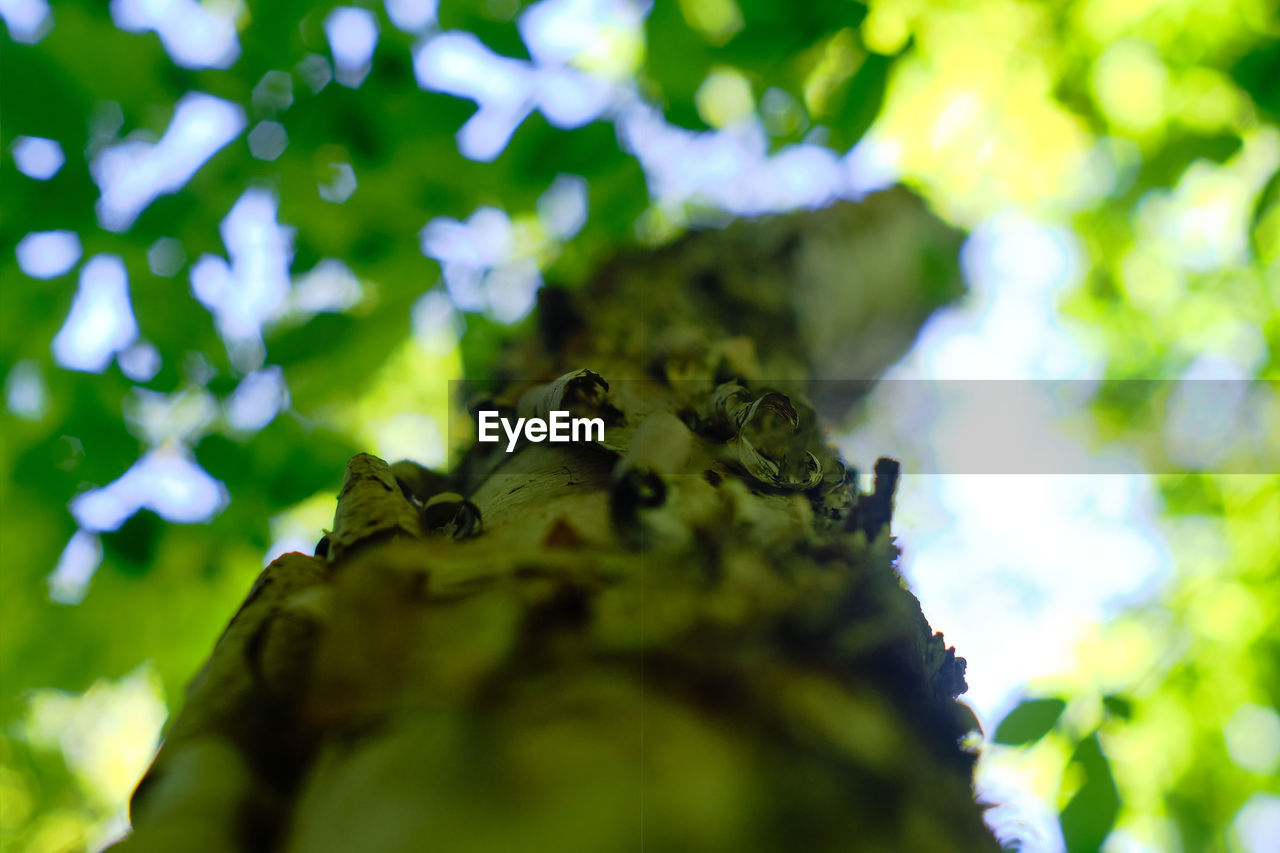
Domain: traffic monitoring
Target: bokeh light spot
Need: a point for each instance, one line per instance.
(315, 72)
(134, 173)
(166, 481)
(353, 36)
(37, 158)
(26, 394)
(724, 98)
(48, 254)
(1129, 83)
(158, 418)
(274, 92)
(106, 735)
(254, 287)
(257, 400)
(410, 435)
(100, 322)
(1257, 824)
(602, 37)
(268, 140)
(341, 184)
(69, 580)
(436, 324)
(195, 34)
(28, 20)
(1253, 739)
(140, 362)
(412, 16)
(717, 20)
(330, 286)
(563, 207)
(166, 257)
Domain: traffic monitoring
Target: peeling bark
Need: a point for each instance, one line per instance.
(689, 635)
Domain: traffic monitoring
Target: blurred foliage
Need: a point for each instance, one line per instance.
(1148, 128)
(1030, 721)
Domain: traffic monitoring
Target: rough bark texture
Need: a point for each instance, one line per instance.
(687, 636)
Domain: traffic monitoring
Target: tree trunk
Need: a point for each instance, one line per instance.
(687, 635)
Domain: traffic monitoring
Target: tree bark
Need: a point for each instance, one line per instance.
(689, 635)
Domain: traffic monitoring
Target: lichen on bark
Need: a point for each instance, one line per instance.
(690, 635)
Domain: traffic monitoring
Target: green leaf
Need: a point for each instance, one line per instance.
(1088, 817)
(1118, 706)
(863, 98)
(677, 62)
(282, 465)
(481, 345)
(769, 49)
(1258, 73)
(775, 30)
(1030, 721)
(331, 354)
(1167, 166)
(134, 545)
(1268, 197)
(538, 152)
